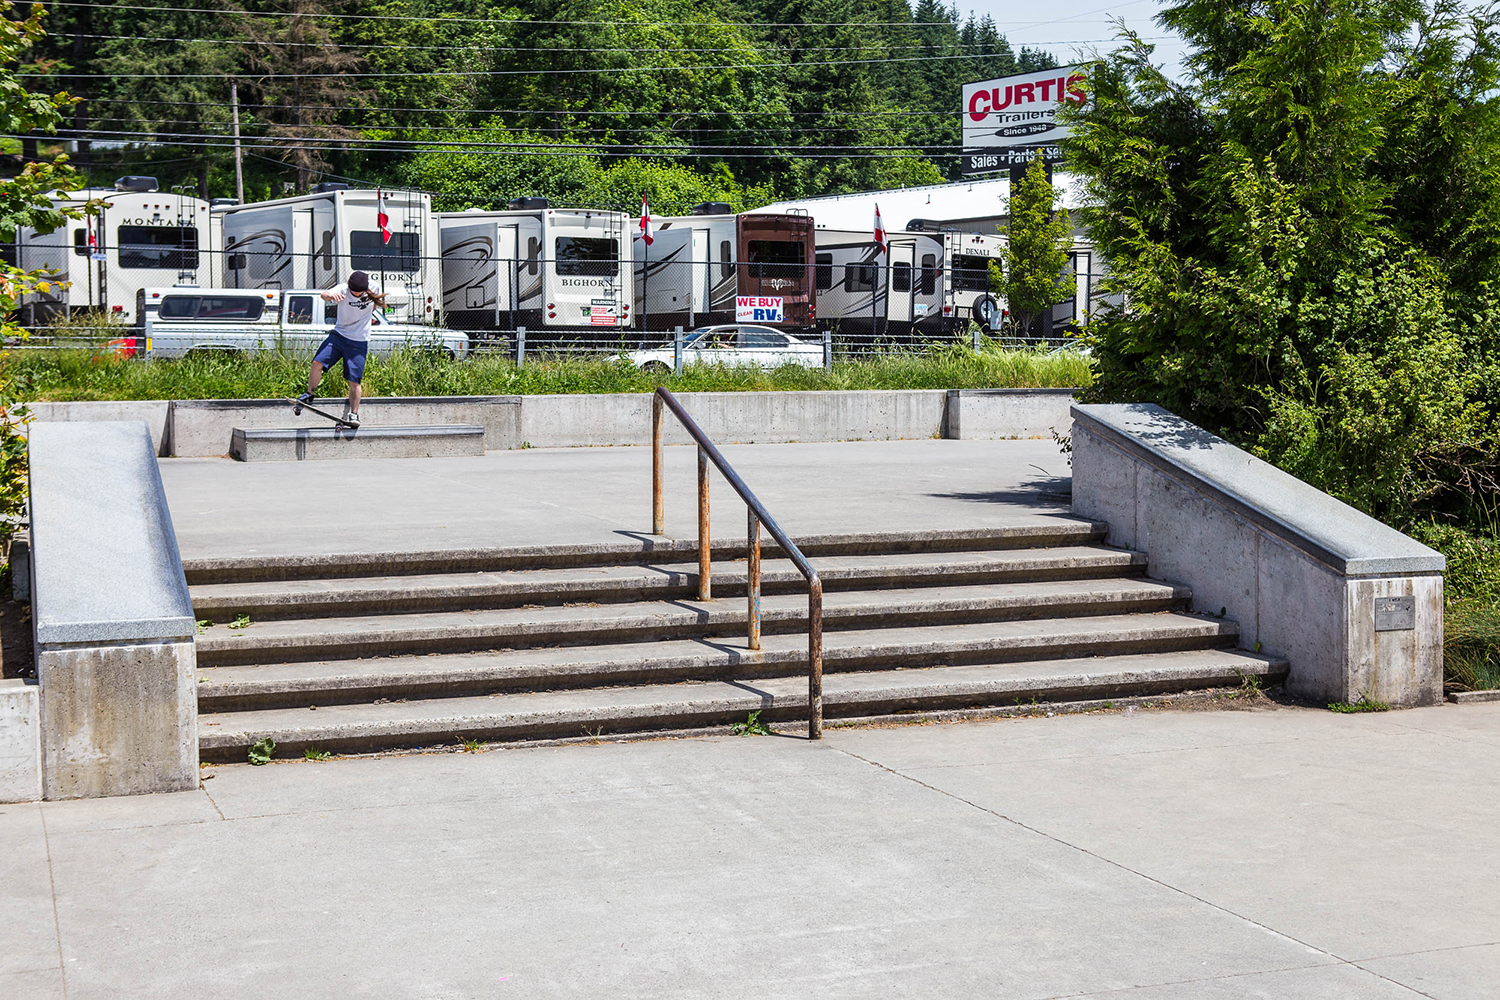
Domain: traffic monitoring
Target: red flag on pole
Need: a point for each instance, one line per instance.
(381, 218)
(646, 231)
(879, 232)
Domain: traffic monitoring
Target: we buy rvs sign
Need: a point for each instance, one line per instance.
(759, 308)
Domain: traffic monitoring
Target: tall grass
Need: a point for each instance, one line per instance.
(62, 375)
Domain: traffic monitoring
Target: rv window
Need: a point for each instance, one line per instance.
(859, 277)
(588, 256)
(212, 307)
(726, 260)
(929, 274)
(299, 309)
(170, 248)
(824, 270)
(901, 277)
(368, 251)
(80, 242)
(777, 259)
(971, 273)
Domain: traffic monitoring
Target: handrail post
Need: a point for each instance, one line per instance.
(752, 583)
(705, 586)
(658, 503)
(815, 659)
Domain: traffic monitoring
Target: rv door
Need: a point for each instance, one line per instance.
(902, 284)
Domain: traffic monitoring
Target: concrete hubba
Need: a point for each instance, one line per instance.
(113, 623)
(155, 412)
(301, 444)
(1354, 606)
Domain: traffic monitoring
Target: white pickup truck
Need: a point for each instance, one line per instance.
(172, 322)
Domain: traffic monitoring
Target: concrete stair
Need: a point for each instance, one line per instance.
(347, 655)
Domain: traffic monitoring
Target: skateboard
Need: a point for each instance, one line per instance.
(298, 406)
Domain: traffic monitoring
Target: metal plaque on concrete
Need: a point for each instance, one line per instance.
(1395, 614)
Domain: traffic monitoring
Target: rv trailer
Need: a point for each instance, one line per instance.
(698, 265)
(315, 241)
(139, 236)
(966, 276)
(862, 292)
(553, 271)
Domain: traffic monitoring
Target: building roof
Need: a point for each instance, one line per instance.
(980, 198)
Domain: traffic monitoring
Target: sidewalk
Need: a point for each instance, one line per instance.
(582, 495)
(1276, 853)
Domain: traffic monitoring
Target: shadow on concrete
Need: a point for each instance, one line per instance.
(1050, 490)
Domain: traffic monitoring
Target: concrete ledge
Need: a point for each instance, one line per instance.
(1473, 697)
(204, 427)
(1354, 606)
(20, 742)
(111, 614)
(1001, 414)
(300, 444)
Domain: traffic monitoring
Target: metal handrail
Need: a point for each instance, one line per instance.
(756, 515)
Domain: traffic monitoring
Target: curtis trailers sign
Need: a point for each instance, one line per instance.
(1007, 118)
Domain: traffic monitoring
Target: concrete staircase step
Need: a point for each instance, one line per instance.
(639, 549)
(302, 444)
(457, 631)
(221, 602)
(245, 687)
(572, 713)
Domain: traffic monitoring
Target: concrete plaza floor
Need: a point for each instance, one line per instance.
(1149, 855)
(547, 496)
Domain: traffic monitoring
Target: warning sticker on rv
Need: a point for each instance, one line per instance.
(602, 313)
(758, 308)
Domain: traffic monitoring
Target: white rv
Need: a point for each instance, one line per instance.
(316, 240)
(553, 271)
(862, 292)
(140, 236)
(686, 277)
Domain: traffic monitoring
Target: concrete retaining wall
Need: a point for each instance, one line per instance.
(112, 620)
(736, 417)
(204, 427)
(998, 414)
(1354, 606)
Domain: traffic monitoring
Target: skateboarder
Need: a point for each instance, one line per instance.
(350, 340)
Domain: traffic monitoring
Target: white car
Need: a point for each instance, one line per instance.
(732, 344)
(172, 322)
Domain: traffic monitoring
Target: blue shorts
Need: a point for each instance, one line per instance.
(352, 352)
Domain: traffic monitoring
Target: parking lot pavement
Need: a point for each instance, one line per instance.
(575, 495)
(1148, 855)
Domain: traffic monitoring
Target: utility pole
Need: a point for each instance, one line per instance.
(239, 158)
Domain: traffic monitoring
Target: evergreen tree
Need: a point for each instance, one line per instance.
(1038, 249)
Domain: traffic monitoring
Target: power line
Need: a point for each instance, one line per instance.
(464, 20)
(801, 130)
(504, 111)
(274, 142)
(517, 48)
(510, 72)
(911, 152)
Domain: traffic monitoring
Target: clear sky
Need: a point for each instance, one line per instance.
(1071, 28)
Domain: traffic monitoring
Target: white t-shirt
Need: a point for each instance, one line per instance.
(354, 315)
